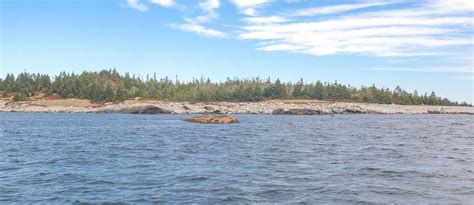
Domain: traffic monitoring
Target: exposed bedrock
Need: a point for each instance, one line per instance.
(145, 109)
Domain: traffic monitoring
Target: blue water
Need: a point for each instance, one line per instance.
(96, 158)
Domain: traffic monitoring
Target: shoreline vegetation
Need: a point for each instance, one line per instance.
(108, 91)
(110, 86)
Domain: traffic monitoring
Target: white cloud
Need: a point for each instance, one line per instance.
(209, 5)
(418, 31)
(164, 3)
(262, 35)
(135, 4)
(355, 22)
(336, 9)
(426, 28)
(281, 47)
(454, 5)
(249, 11)
(265, 20)
(247, 7)
(200, 30)
(248, 3)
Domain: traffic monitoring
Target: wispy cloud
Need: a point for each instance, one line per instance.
(265, 20)
(135, 4)
(335, 9)
(248, 7)
(417, 31)
(208, 7)
(249, 11)
(249, 3)
(164, 3)
(453, 5)
(196, 24)
(374, 28)
(200, 30)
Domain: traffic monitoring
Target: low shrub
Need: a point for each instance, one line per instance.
(20, 97)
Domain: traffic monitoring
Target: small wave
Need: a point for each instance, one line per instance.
(396, 173)
(401, 156)
(369, 169)
(54, 161)
(99, 182)
(103, 203)
(235, 199)
(273, 193)
(194, 178)
(396, 191)
(9, 169)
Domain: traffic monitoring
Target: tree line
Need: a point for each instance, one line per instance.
(109, 85)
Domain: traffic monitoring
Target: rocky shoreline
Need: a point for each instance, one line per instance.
(280, 107)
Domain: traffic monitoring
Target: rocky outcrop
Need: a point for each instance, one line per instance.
(354, 110)
(434, 112)
(209, 108)
(150, 110)
(282, 111)
(213, 119)
(327, 111)
(146, 109)
(280, 107)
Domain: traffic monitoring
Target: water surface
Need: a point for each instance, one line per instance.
(67, 158)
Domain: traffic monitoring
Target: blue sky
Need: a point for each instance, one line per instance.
(425, 45)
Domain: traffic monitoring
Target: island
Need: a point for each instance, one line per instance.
(107, 91)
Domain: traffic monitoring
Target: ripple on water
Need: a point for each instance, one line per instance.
(89, 158)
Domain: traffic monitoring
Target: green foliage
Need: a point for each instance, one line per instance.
(109, 85)
(20, 97)
(317, 91)
(9, 83)
(298, 89)
(276, 90)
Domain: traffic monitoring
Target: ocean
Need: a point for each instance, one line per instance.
(121, 158)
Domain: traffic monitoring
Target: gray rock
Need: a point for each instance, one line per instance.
(208, 107)
(147, 109)
(353, 110)
(434, 112)
(186, 107)
(217, 112)
(296, 112)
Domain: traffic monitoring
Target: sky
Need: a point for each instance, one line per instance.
(423, 45)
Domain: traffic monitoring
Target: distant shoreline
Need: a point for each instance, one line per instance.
(275, 107)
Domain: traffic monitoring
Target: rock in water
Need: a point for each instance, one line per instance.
(213, 119)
